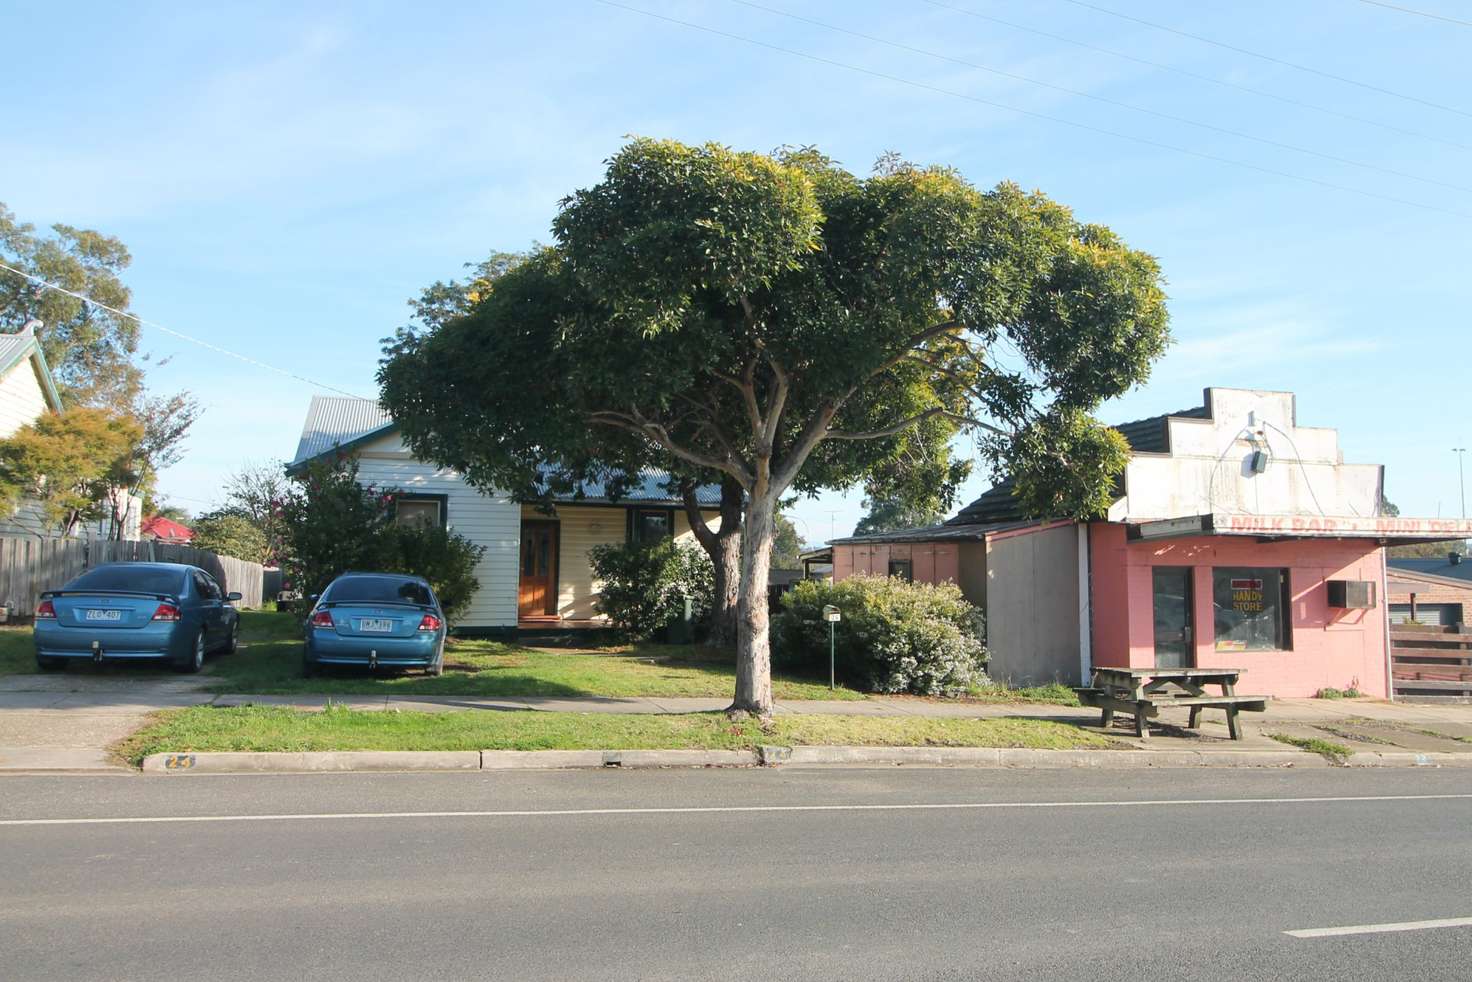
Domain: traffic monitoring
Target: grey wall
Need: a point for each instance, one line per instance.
(1032, 607)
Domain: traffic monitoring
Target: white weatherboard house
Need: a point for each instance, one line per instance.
(27, 392)
(535, 572)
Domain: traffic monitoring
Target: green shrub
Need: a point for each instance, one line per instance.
(894, 636)
(334, 524)
(443, 558)
(644, 587)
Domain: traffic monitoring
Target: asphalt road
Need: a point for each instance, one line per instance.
(653, 875)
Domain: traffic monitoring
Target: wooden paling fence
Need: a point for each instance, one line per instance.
(30, 565)
(1431, 661)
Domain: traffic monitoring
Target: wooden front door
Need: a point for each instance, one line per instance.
(537, 594)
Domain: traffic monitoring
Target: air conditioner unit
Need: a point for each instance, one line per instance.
(1352, 594)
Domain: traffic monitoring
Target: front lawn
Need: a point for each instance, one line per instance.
(17, 653)
(269, 728)
(271, 661)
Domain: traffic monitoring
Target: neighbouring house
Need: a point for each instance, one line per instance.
(1238, 539)
(1430, 591)
(161, 529)
(535, 572)
(27, 391)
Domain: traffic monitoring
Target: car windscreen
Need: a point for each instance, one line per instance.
(377, 590)
(135, 579)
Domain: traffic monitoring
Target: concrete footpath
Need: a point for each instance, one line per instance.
(66, 722)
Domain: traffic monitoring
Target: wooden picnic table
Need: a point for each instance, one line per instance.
(1143, 692)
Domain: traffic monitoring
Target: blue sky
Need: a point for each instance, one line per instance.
(286, 177)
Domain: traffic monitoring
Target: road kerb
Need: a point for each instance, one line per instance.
(981, 757)
(241, 762)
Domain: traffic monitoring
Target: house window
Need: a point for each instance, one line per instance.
(420, 511)
(903, 569)
(1251, 609)
(650, 525)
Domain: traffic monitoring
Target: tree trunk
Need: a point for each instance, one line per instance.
(724, 548)
(753, 648)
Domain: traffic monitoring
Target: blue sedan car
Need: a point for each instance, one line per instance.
(125, 611)
(376, 619)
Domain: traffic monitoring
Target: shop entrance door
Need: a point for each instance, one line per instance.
(1173, 634)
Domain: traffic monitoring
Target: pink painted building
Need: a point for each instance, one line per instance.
(1239, 540)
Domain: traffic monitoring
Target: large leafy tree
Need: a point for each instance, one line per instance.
(787, 324)
(69, 464)
(90, 350)
(539, 462)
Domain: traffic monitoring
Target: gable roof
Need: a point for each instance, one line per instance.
(1149, 435)
(17, 348)
(341, 423)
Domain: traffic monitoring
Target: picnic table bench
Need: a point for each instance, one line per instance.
(1143, 692)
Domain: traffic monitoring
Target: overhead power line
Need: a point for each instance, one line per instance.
(1419, 13)
(1272, 59)
(1186, 73)
(178, 334)
(1266, 141)
(1087, 127)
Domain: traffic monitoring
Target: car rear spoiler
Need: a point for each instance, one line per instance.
(374, 603)
(50, 594)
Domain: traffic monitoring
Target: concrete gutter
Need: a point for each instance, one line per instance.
(985, 757)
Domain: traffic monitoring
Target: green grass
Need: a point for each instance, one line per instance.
(1054, 693)
(1336, 753)
(270, 663)
(17, 654)
(269, 728)
(1329, 692)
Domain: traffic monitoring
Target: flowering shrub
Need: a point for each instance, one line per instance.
(334, 524)
(644, 587)
(894, 636)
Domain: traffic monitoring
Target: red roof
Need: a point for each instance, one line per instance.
(165, 529)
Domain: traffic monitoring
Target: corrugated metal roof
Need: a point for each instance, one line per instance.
(649, 485)
(334, 421)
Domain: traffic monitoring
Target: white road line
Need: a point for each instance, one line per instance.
(726, 809)
(1335, 932)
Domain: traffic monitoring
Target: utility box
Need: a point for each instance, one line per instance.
(1351, 594)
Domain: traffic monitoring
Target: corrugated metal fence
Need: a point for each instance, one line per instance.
(30, 565)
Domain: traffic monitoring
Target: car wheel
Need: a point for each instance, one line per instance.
(195, 660)
(50, 664)
(309, 667)
(233, 645)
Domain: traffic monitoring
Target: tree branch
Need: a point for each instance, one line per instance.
(636, 423)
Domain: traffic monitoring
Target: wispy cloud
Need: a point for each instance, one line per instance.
(1281, 332)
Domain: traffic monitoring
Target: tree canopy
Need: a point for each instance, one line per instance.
(90, 350)
(781, 321)
(69, 463)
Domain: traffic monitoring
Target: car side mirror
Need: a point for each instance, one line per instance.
(312, 598)
(233, 596)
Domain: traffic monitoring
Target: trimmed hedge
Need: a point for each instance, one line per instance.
(894, 636)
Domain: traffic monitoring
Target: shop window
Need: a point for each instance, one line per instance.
(903, 569)
(419, 511)
(1252, 609)
(650, 525)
